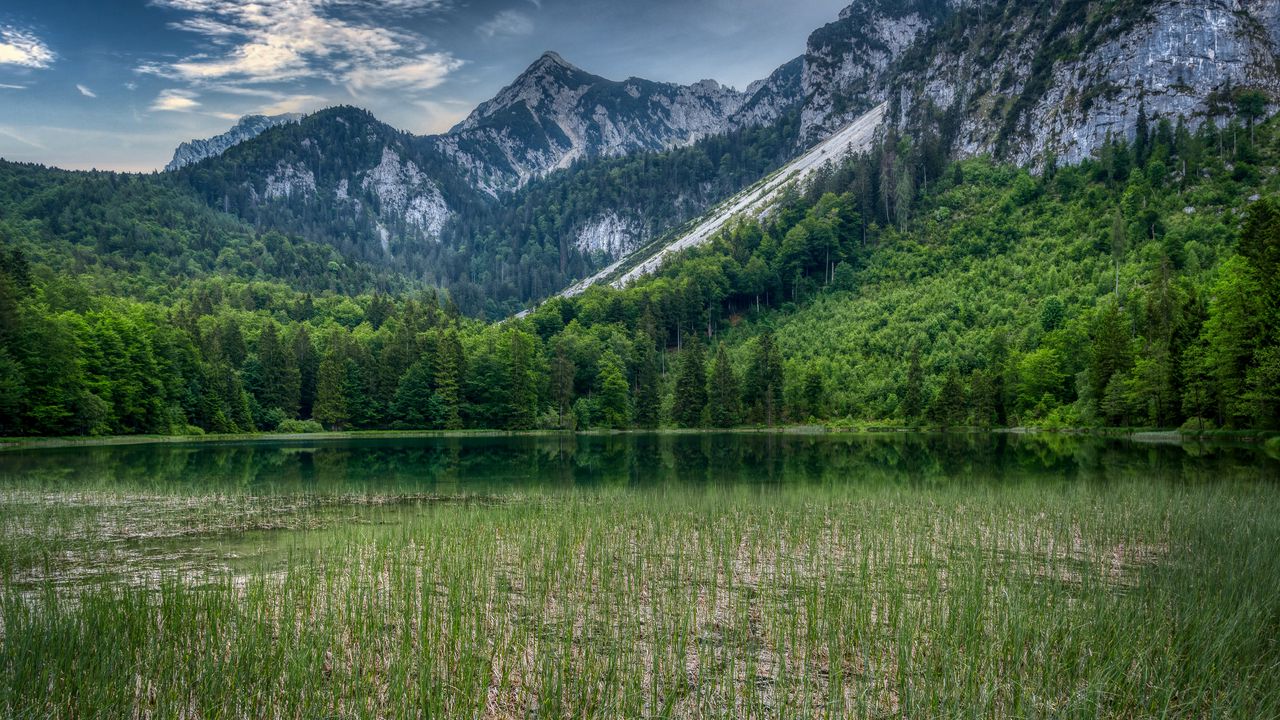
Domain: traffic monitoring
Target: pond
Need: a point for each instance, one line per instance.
(663, 575)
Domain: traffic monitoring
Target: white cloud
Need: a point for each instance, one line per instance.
(6, 86)
(424, 73)
(86, 91)
(284, 40)
(19, 47)
(507, 22)
(293, 104)
(175, 101)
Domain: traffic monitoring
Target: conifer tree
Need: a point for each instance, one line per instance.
(647, 401)
(446, 403)
(279, 381)
(562, 377)
(691, 387)
(948, 407)
(522, 390)
(913, 392)
(724, 406)
(413, 397)
(304, 353)
(764, 382)
(331, 399)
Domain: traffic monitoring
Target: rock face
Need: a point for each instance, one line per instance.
(405, 195)
(769, 99)
(249, 127)
(610, 236)
(343, 173)
(1025, 80)
(556, 113)
(847, 63)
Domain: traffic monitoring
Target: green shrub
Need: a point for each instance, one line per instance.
(295, 427)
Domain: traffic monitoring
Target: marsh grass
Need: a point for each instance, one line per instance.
(1131, 599)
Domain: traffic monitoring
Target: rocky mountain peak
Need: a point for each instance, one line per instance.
(248, 127)
(553, 58)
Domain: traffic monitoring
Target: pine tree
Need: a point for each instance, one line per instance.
(764, 382)
(612, 403)
(647, 400)
(1110, 355)
(724, 408)
(308, 363)
(562, 377)
(982, 400)
(521, 390)
(279, 382)
(815, 393)
(331, 398)
(948, 407)
(1119, 245)
(446, 402)
(412, 404)
(231, 343)
(691, 387)
(912, 403)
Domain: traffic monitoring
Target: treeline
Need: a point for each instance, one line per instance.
(1138, 289)
(235, 357)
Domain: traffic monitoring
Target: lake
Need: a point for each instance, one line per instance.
(665, 575)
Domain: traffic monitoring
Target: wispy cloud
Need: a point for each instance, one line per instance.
(175, 101)
(23, 48)
(442, 115)
(15, 135)
(508, 22)
(86, 91)
(293, 104)
(7, 86)
(348, 42)
(423, 74)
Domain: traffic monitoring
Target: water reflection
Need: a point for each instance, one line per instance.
(493, 463)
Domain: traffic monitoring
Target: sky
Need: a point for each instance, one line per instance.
(117, 84)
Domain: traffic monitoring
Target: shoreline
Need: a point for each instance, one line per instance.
(1260, 438)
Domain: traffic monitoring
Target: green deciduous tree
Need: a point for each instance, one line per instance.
(612, 402)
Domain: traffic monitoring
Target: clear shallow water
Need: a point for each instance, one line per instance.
(686, 575)
(198, 512)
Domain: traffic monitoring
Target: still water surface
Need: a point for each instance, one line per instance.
(143, 513)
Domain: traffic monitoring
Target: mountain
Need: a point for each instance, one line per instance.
(1029, 80)
(1134, 282)
(565, 173)
(249, 127)
(848, 64)
(343, 177)
(555, 113)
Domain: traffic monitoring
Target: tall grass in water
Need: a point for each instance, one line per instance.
(1072, 600)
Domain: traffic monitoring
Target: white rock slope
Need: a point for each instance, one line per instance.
(754, 202)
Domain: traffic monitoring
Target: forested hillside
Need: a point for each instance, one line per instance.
(1137, 289)
(328, 179)
(139, 235)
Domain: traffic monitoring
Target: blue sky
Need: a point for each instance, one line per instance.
(118, 84)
